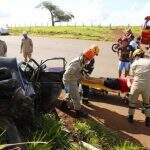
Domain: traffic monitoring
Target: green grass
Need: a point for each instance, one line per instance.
(101, 137)
(49, 130)
(127, 146)
(78, 32)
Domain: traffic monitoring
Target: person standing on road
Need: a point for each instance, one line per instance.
(73, 76)
(124, 60)
(140, 70)
(3, 48)
(26, 47)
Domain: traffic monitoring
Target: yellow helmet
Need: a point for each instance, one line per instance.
(95, 49)
(138, 52)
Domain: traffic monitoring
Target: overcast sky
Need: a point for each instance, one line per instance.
(116, 12)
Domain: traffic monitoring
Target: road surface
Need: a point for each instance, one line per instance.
(106, 62)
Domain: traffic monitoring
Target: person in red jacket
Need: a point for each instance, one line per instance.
(122, 84)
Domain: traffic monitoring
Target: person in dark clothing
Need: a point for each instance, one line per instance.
(88, 69)
(124, 55)
(129, 35)
(121, 84)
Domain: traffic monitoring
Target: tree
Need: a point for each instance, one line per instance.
(57, 15)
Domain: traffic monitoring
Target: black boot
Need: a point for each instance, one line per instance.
(80, 114)
(130, 118)
(147, 121)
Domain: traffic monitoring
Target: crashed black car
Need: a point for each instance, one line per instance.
(41, 84)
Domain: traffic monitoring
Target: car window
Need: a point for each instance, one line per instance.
(147, 26)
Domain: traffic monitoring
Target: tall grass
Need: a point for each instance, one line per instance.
(127, 146)
(48, 135)
(50, 130)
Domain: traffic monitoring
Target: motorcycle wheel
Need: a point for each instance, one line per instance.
(115, 47)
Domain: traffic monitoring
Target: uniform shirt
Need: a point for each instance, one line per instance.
(134, 44)
(3, 48)
(140, 69)
(73, 71)
(27, 45)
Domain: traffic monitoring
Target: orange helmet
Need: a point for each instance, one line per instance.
(88, 54)
(91, 52)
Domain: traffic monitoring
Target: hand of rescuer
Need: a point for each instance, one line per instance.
(129, 81)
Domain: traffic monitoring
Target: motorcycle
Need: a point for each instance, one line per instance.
(121, 43)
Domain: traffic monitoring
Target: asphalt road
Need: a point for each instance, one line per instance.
(106, 62)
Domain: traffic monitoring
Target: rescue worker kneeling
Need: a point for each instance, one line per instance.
(73, 76)
(140, 70)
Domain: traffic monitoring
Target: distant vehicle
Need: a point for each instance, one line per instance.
(4, 30)
(145, 35)
(120, 44)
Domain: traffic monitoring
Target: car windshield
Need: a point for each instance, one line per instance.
(147, 25)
